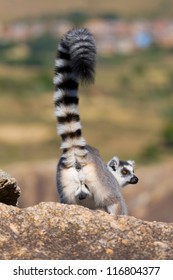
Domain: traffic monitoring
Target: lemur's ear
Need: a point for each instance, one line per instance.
(131, 162)
(114, 163)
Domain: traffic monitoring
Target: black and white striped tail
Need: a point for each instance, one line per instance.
(75, 61)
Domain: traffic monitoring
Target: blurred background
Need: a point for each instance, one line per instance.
(127, 112)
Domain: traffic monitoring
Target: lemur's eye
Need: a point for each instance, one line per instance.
(124, 171)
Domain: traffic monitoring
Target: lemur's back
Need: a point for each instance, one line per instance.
(80, 165)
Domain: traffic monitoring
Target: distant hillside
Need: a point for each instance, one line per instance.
(124, 8)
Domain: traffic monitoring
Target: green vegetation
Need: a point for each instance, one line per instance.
(167, 131)
(168, 136)
(40, 52)
(150, 154)
(36, 85)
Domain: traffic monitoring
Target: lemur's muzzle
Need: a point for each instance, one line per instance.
(134, 180)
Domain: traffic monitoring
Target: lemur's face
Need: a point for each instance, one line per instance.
(123, 171)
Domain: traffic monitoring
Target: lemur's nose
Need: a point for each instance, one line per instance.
(134, 180)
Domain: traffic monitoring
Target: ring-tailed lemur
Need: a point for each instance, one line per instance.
(80, 164)
(123, 172)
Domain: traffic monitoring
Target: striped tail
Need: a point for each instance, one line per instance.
(75, 61)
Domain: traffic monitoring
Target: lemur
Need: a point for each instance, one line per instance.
(123, 172)
(80, 166)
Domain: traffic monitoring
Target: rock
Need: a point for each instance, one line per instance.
(9, 190)
(58, 231)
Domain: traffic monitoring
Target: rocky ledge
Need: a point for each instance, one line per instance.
(57, 231)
